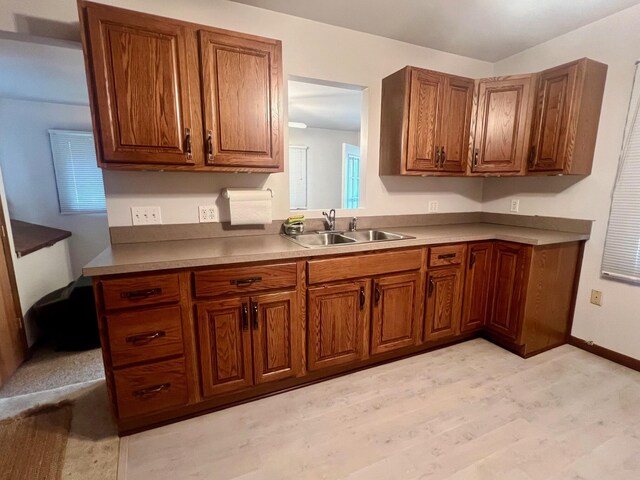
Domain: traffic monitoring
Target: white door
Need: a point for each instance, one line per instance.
(298, 177)
(350, 176)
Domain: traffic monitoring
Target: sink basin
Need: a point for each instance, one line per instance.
(374, 236)
(327, 239)
(320, 239)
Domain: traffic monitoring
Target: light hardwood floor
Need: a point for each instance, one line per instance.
(471, 411)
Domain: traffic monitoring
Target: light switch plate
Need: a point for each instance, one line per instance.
(146, 215)
(433, 206)
(515, 205)
(207, 213)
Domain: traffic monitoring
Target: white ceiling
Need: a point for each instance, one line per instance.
(42, 69)
(324, 106)
(487, 30)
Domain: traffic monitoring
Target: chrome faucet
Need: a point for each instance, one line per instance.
(330, 219)
(353, 224)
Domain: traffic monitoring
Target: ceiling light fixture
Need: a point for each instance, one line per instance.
(297, 125)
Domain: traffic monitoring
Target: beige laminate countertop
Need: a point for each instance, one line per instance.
(150, 256)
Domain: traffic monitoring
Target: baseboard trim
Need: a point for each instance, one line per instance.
(619, 358)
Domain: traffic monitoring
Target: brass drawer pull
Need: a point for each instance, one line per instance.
(245, 281)
(141, 293)
(209, 144)
(144, 338)
(444, 256)
(363, 298)
(431, 287)
(151, 391)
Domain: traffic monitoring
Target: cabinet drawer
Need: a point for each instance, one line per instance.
(145, 335)
(233, 281)
(447, 255)
(368, 265)
(139, 291)
(150, 388)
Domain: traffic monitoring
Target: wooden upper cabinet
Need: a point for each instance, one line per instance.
(425, 105)
(225, 345)
(425, 123)
(161, 100)
(455, 124)
(503, 124)
(507, 286)
(338, 318)
(476, 286)
(567, 112)
(241, 83)
(276, 344)
(395, 321)
(141, 98)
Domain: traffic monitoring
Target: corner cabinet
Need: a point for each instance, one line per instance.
(171, 95)
(436, 124)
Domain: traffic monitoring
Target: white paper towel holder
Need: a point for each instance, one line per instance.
(225, 192)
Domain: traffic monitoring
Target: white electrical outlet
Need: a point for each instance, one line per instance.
(433, 206)
(207, 213)
(515, 205)
(146, 215)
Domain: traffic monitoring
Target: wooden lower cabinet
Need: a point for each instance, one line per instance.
(337, 324)
(507, 287)
(476, 286)
(247, 341)
(395, 319)
(444, 302)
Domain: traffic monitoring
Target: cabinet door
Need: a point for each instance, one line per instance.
(424, 116)
(507, 287)
(276, 334)
(476, 286)
(455, 123)
(337, 324)
(225, 345)
(396, 313)
(141, 93)
(241, 90)
(550, 138)
(444, 301)
(502, 125)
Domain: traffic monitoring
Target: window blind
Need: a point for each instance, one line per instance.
(78, 178)
(621, 259)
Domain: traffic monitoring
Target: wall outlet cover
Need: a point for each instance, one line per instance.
(433, 206)
(207, 213)
(146, 215)
(515, 205)
(596, 297)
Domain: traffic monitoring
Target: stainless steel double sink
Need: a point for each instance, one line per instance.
(328, 239)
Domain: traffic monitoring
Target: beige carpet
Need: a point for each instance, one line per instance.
(34, 443)
(92, 447)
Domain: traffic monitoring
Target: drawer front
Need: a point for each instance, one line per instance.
(145, 335)
(447, 255)
(234, 281)
(151, 388)
(364, 265)
(140, 291)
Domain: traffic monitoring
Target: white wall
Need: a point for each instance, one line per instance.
(324, 163)
(27, 167)
(310, 49)
(615, 41)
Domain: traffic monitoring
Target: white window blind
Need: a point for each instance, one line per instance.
(621, 257)
(78, 178)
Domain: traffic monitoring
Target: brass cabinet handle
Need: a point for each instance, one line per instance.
(377, 294)
(144, 338)
(475, 157)
(245, 316)
(254, 311)
(437, 157)
(210, 144)
(363, 298)
(472, 260)
(443, 157)
(187, 142)
(431, 286)
(141, 293)
(444, 256)
(245, 281)
(150, 391)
